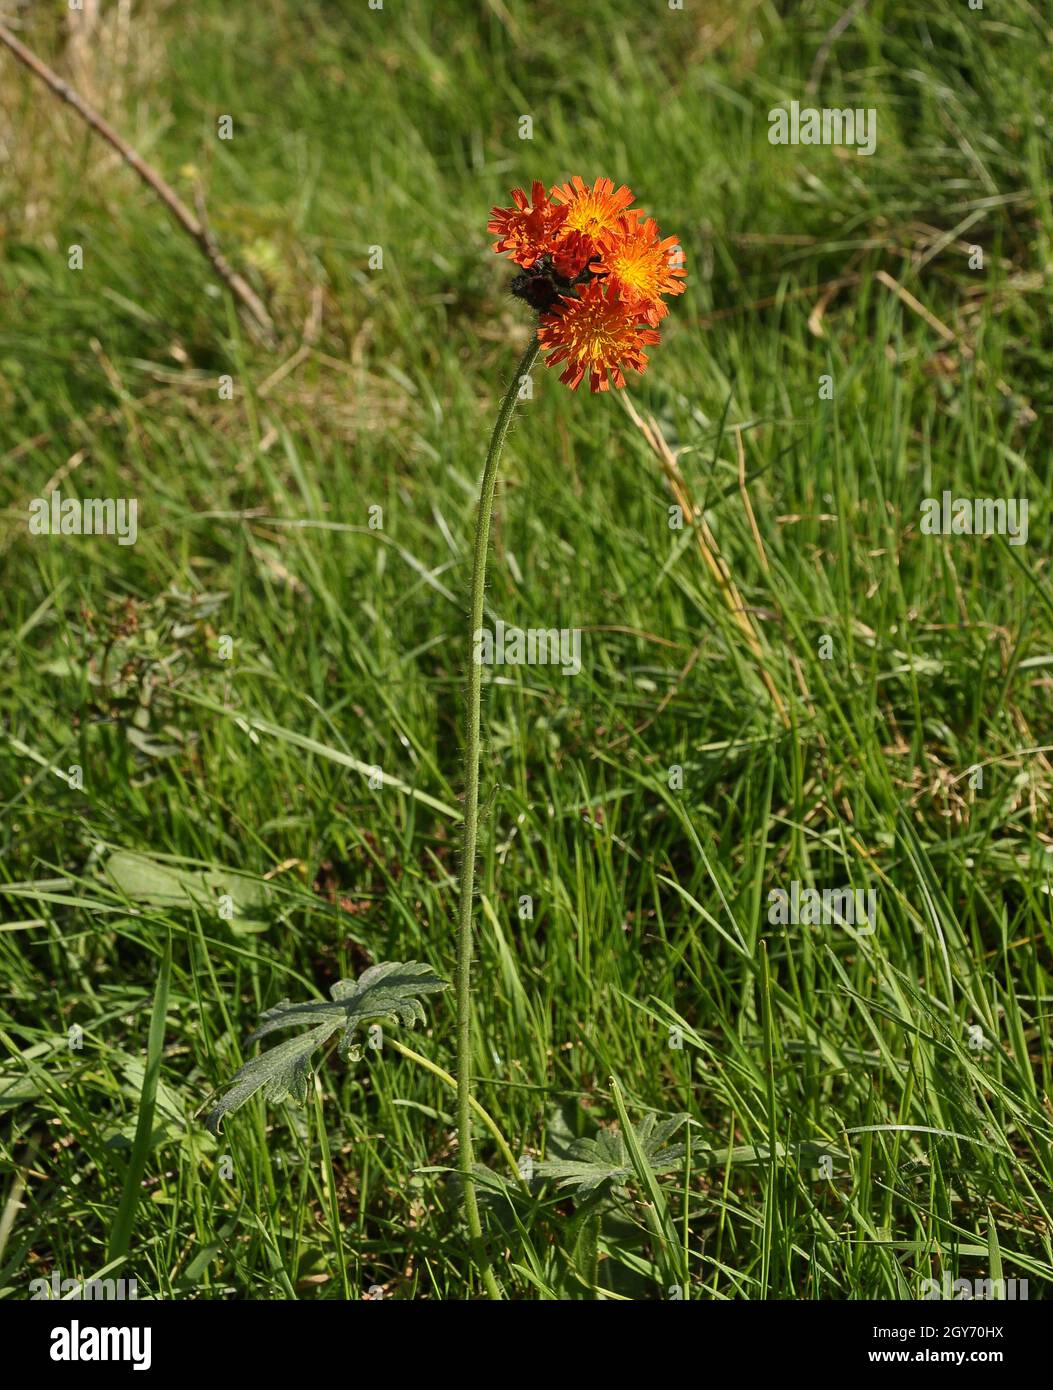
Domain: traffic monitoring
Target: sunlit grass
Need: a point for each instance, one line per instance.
(644, 955)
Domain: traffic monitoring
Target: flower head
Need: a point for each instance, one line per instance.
(591, 214)
(528, 230)
(594, 333)
(595, 270)
(641, 266)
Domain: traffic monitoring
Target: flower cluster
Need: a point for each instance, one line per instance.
(595, 269)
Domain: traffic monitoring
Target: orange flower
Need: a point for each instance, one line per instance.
(595, 333)
(640, 267)
(596, 272)
(591, 212)
(528, 230)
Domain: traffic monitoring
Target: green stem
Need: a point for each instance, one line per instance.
(471, 819)
(451, 1081)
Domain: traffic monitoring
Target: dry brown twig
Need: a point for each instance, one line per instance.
(194, 226)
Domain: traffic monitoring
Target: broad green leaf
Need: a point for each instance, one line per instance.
(606, 1158)
(389, 992)
(164, 884)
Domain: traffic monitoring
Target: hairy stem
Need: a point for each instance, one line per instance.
(484, 1115)
(471, 818)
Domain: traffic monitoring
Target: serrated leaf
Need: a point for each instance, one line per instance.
(282, 1072)
(387, 992)
(606, 1159)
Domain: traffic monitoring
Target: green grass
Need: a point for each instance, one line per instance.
(399, 129)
